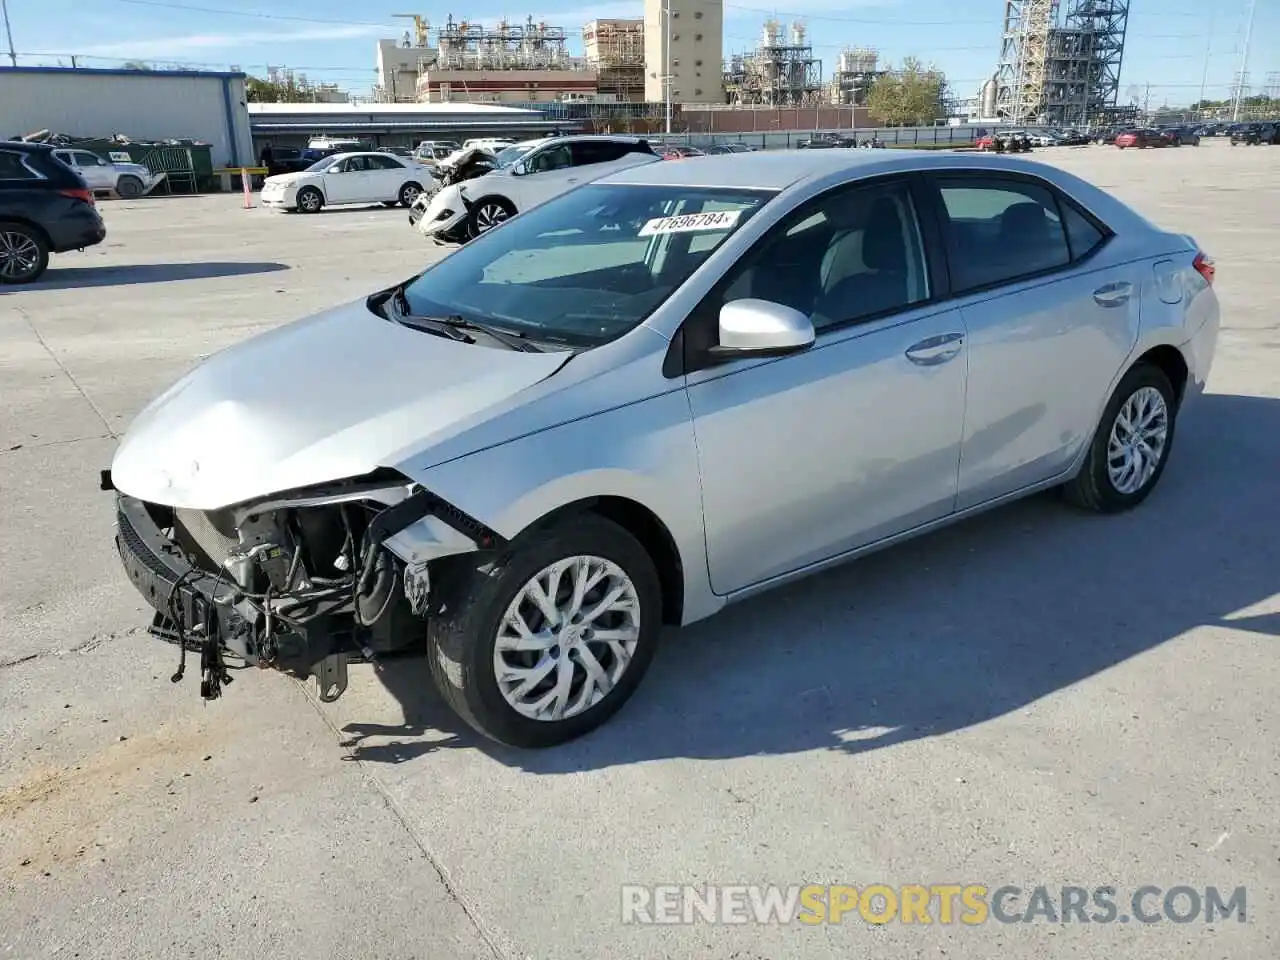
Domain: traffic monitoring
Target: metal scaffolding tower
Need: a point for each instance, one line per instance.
(1024, 59)
(1058, 67)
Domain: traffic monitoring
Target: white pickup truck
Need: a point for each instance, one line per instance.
(127, 180)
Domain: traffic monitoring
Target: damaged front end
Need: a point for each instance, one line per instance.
(303, 582)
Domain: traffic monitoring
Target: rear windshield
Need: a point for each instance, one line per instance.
(586, 267)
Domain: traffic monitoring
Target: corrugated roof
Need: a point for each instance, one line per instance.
(374, 109)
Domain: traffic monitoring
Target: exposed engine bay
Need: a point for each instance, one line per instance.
(303, 583)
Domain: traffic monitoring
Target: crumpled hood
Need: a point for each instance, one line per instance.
(333, 396)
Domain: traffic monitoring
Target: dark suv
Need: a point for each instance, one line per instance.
(1253, 134)
(45, 207)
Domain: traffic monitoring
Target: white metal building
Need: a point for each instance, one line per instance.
(141, 104)
(394, 124)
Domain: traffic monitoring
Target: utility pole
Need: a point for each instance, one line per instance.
(666, 63)
(8, 32)
(1208, 46)
(1244, 62)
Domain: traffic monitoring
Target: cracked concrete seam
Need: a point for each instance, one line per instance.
(97, 640)
(65, 372)
(491, 939)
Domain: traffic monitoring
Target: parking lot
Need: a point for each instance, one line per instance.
(1035, 697)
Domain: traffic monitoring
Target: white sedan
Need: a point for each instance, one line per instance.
(349, 178)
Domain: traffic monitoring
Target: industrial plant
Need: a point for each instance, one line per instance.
(1059, 62)
(781, 72)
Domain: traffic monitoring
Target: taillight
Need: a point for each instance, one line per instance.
(76, 193)
(1204, 266)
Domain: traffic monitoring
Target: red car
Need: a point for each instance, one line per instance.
(1142, 139)
(985, 143)
(679, 152)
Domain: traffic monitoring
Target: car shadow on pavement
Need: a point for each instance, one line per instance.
(942, 632)
(63, 278)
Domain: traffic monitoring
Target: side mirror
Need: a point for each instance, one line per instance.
(761, 328)
(521, 169)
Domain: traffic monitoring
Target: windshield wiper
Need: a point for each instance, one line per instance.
(456, 326)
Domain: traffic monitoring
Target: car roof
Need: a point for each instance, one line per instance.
(21, 146)
(779, 169)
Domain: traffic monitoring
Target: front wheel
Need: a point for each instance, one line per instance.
(488, 213)
(546, 641)
(310, 200)
(1131, 448)
(24, 253)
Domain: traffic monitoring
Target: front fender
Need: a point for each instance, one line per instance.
(643, 452)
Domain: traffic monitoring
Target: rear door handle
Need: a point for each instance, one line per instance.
(936, 350)
(1113, 294)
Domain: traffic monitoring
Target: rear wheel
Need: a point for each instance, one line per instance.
(546, 641)
(24, 253)
(1128, 454)
(310, 200)
(129, 187)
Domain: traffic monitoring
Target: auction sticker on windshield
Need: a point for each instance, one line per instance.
(691, 222)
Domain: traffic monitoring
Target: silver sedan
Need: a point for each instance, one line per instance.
(660, 393)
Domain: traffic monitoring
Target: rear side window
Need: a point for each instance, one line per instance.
(1082, 235)
(12, 167)
(597, 151)
(1000, 231)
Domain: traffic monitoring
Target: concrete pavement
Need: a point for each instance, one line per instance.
(1034, 697)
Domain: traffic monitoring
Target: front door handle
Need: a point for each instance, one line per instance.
(1113, 294)
(936, 350)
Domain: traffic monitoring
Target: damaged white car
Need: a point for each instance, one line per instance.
(653, 395)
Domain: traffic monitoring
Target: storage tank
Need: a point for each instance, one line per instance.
(988, 97)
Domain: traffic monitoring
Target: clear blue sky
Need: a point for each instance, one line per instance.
(333, 40)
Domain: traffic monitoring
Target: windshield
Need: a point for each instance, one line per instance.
(509, 155)
(322, 164)
(586, 267)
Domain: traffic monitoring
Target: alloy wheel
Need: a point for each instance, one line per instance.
(489, 216)
(19, 255)
(1139, 436)
(567, 638)
(409, 194)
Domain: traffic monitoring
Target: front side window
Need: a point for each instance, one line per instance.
(585, 267)
(1000, 231)
(849, 255)
(551, 158)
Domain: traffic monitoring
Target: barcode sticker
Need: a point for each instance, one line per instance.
(691, 223)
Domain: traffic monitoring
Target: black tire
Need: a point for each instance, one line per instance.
(129, 187)
(310, 200)
(1093, 489)
(487, 212)
(409, 193)
(462, 631)
(24, 253)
